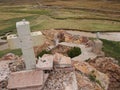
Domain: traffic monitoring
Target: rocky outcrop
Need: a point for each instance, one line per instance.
(108, 66)
(89, 78)
(63, 36)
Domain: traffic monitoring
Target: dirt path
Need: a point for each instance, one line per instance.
(113, 36)
(86, 52)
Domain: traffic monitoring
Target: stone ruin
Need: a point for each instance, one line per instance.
(35, 75)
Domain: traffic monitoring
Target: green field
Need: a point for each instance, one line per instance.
(112, 49)
(87, 15)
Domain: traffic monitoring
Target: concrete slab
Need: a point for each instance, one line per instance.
(26, 79)
(38, 87)
(45, 63)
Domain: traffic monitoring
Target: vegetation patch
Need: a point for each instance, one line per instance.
(92, 77)
(73, 52)
(112, 49)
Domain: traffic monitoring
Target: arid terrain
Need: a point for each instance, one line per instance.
(79, 50)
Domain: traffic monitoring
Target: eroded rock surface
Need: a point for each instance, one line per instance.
(89, 78)
(108, 66)
(60, 80)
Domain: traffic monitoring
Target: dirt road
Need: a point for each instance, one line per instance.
(113, 36)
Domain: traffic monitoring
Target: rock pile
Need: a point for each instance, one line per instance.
(89, 78)
(97, 46)
(59, 80)
(17, 65)
(61, 49)
(108, 66)
(4, 73)
(9, 56)
(64, 36)
(9, 63)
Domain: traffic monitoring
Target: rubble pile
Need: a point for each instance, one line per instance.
(59, 80)
(9, 63)
(60, 49)
(4, 73)
(17, 65)
(64, 36)
(108, 66)
(96, 46)
(89, 78)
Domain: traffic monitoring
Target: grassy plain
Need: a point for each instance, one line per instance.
(87, 15)
(112, 49)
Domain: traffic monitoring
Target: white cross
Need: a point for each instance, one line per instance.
(23, 30)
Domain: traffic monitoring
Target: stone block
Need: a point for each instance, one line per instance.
(62, 61)
(26, 80)
(45, 63)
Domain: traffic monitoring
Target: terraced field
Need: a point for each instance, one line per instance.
(87, 15)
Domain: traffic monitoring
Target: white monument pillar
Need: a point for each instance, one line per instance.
(98, 35)
(24, 36)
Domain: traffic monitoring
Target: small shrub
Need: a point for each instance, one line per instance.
(74, 52)
(43, 52)
(97, 81)
(87, 60)
(92, 77)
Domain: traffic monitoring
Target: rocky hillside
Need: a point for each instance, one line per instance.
(88, 78)
(108, 66)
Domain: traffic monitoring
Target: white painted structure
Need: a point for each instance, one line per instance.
(26, 44)
(37, 38)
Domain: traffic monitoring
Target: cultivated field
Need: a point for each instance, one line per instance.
(87, 15)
